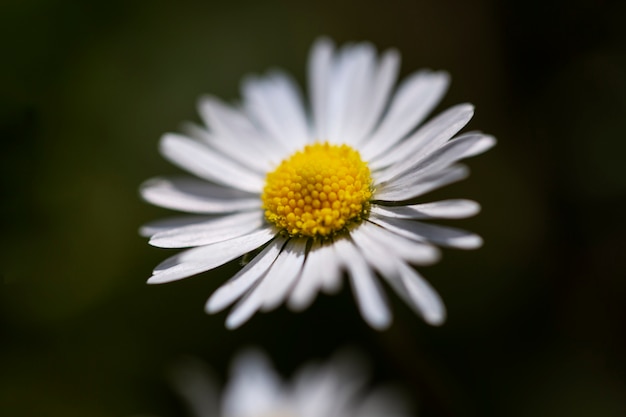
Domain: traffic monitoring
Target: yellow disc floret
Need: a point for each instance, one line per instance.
(318, 191)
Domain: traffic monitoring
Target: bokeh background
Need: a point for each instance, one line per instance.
(536, 317)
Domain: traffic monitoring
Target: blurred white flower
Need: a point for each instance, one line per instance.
(318, 193)
(337, 388)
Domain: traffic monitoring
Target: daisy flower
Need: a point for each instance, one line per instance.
(308, 193)
(337, 388)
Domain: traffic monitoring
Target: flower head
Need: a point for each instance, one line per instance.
(314, 194)
(336, 388)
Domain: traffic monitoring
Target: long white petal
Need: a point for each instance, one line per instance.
(419, 253)
(288, 98)
(377, 254)
(204, 258)
(345, 65)
(196, 196)
(430, 182)
(210, 231)
(321, 272)
(386, 259)
(203, 162)
(239, 284)
(441, 235)
(233, 124)
(274, 103)
(367, 290)
(309, 283)
(459, 148)
(381, 88)
(248, 153)
(356, 87)
(319, 68)
(424, 296)
(244, 309)
(427, 139)
(226, 120)
(283, 275)
(445, 209)
(406, 282)
(330, 273)
(161, 225)
(273, 288)
(417, 95)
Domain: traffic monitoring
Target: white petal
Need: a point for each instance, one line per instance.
(379, 92)
(152, 228)
(249, 153)
(283, 275)
(247, 306)
(377, 255)
(309, 283)
(424, 297)
(430, 182)
(196, 196)
(234, 124)
(209, 231)
(244, 309)
(274, 286)
(441, 235)
(330, 277)
(205, 163)
(226, 120)
(416, 292)
(423, 142)
(274, 103)
(319, 68)
(445, 209)
(417, 95)
(405, 282)
(204, 258)
(459, 148)
(411, 251)
(353, 89)
(340, 85)
(367, 290)
(178, 271)
(288, 98)
(245, 278)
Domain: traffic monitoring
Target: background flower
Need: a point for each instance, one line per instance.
(88, 87)
(336, 388)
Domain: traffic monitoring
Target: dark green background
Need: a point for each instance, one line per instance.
(535, 317)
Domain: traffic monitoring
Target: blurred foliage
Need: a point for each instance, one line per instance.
(536, 317)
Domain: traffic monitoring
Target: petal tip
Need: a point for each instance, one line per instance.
(435, 319)
(214, 304)
(233, 323)
(210, 306)
(380, 324)
(469, 242)
(154, 279)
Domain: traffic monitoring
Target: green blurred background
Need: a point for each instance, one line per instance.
(536, 317)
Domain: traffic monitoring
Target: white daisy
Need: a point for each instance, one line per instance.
(333, 389)
(314, 194)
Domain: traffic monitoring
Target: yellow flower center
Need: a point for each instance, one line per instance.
(318, 191)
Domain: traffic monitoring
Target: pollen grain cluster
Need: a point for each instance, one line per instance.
(318, 191)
